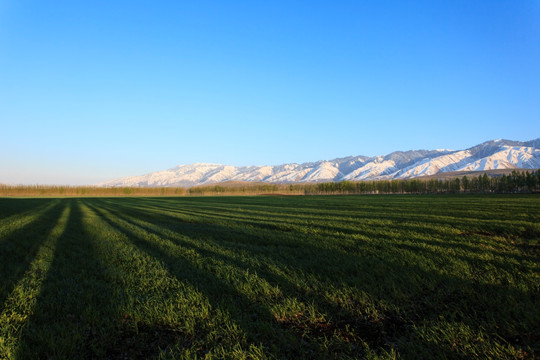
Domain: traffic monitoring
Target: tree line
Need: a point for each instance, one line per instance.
(515, 182)
(87, 191)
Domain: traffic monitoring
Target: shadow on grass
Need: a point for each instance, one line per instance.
(439, 240)
(78, 310)
(221, 295)
(428, 294)
(351, 331)
(18, 249)
(352, 206)
(400, 223)
(10, 207)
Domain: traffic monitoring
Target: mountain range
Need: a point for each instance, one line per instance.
(490, 155)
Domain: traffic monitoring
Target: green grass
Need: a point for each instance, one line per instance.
(270, 277)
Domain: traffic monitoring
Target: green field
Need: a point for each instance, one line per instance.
(270, 277)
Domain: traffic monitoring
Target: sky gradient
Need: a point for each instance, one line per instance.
(99, 90)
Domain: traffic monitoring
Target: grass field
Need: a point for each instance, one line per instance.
(270, 277)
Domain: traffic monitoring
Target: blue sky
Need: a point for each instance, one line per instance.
(96, 90)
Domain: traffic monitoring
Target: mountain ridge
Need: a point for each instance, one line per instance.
(489, 155)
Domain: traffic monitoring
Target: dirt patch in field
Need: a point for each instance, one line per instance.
(377, 333)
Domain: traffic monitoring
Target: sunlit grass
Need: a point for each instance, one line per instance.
(270, 277)
(20, 303)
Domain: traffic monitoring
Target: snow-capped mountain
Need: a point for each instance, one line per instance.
(496, 154)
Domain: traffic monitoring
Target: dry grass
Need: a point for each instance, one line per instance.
(87, 191)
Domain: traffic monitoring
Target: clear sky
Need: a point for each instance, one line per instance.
(95, 90)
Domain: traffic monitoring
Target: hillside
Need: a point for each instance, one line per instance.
(490, 155)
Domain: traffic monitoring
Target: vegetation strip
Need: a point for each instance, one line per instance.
(270, 277)
(527, 181)
(20, 304)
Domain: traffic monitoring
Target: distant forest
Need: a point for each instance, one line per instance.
(515, 182)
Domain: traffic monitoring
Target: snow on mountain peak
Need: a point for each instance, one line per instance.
(494, 154)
